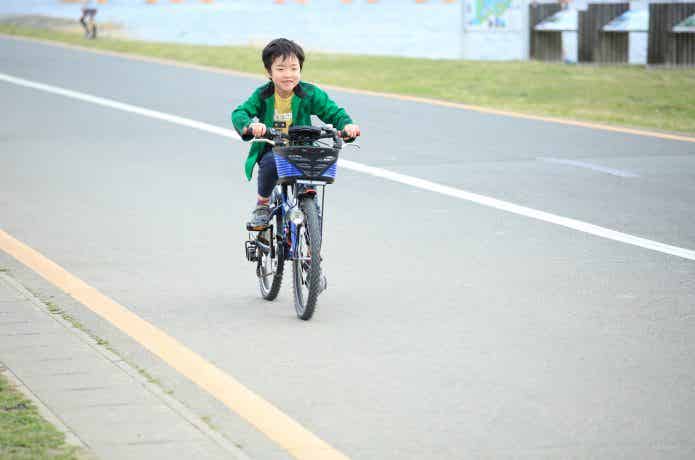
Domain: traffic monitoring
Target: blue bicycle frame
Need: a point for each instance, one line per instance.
(286, 205)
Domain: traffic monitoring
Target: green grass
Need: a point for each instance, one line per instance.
(655, 98)
(24, 434)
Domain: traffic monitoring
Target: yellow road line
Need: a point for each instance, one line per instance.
(423, 100)
(268, 419)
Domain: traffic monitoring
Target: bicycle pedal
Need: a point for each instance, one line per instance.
(257, 228)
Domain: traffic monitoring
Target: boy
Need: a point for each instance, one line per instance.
(280, 103)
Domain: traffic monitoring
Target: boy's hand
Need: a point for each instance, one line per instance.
(257, 129)
(351, 131)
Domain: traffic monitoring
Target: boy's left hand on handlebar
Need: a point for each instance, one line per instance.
(351, 131)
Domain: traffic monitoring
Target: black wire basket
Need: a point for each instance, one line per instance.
(299, 162)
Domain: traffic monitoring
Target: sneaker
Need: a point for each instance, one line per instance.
(259, 218)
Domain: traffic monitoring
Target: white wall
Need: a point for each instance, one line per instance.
(637, 42)
(570, 47)
(637, 47)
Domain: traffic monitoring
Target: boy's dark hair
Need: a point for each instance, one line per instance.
(281, 47)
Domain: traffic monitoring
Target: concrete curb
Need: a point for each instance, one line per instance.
(126, 367)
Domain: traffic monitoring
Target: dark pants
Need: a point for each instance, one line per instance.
(267, 174)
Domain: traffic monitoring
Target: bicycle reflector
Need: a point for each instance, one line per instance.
(296, 216)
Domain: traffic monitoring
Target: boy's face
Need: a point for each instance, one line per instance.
(284, 71)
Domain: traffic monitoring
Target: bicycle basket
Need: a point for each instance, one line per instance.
(306, 163)
(304, 134)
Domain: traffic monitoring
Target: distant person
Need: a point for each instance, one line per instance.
(89, 10)
(280, 103)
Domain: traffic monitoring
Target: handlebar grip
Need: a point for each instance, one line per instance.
(270, 134)
(343, 135)
(248, 136)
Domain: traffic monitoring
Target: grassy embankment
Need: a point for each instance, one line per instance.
(24, 434)
(655, 98)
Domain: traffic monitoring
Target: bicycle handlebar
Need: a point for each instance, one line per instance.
(274, 136)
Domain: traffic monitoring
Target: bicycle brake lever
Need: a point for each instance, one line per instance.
(260, 139)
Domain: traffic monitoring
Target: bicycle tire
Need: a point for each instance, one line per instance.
(307, 273)
(269, 290)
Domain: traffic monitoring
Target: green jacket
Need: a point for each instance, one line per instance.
(310, 100)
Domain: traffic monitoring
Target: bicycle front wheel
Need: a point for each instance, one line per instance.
(306, 267)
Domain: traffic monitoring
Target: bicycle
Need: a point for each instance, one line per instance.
(296, 234)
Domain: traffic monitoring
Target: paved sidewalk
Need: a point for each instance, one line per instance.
(103, 402)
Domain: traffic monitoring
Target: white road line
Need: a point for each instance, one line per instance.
(121, 106)
(522, 210)
(382, 173)
(592, 166)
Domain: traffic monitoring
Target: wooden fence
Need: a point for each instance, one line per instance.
(610, 47)
(585, 52)
(596, 45)
(544, 46)
(665, 46)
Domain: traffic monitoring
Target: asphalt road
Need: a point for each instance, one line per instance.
(449, 329)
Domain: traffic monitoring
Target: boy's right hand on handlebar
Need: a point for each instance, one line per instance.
(257, 129)
(351, 131)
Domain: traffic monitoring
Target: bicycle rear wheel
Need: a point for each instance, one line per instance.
(306, 267)
(269, 269)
